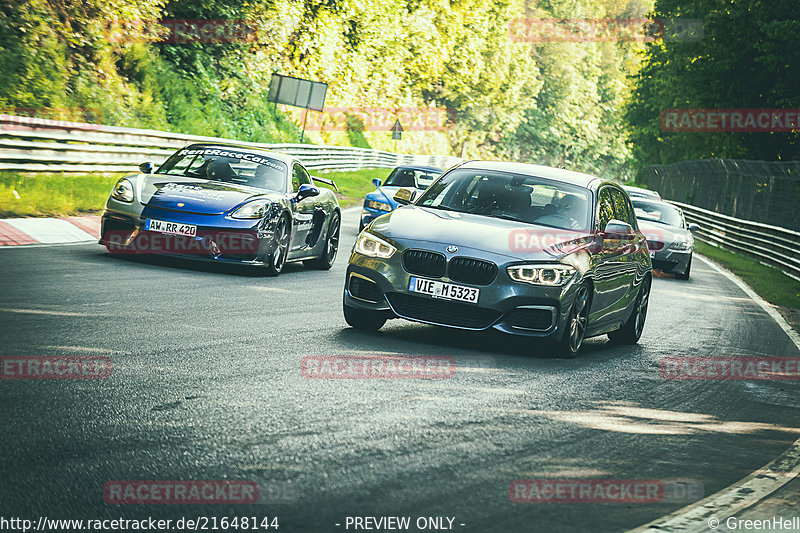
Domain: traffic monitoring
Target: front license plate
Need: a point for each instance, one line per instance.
(173, 228)
(440, 289)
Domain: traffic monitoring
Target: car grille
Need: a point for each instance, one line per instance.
(424, 263)
(474, 271)
(537, 319)
(365, 289)
(441, 311)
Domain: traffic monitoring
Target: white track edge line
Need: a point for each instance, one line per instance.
(750, 490)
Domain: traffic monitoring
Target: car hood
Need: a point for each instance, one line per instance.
(196, 195)
(662, 233)
(516, 240)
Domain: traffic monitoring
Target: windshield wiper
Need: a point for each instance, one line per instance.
(659, 222)
(509, 217)
(442, 207)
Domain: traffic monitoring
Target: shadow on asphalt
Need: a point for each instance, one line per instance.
(179, 263)
(420, 339)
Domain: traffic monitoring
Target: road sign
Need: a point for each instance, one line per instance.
(397, 130)
(297, 92)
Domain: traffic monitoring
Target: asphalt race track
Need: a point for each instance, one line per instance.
(206, 385)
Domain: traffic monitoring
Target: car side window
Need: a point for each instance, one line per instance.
(605, 208)
(299, 177)
(622, 208)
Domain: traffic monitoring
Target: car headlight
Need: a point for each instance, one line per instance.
(254, 209)
(681, 245)
(371, 246)
(551, 275)
(380, 206)
(123, 191)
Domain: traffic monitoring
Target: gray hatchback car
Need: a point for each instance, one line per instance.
(524, 249)
(669, 237)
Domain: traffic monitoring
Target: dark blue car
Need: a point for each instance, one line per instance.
(381, 200)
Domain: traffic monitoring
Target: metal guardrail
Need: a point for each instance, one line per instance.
(41, 145)
(762, 191)
(775, 246)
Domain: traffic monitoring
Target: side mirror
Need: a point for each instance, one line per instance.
(306, 191)
(618, 227)
(693, 227)
(404, 196)
(376, 182)
(146, 168)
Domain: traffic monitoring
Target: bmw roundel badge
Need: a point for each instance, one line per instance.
(452, 249)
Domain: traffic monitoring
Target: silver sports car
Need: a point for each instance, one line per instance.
(524, 249)
(669, 237)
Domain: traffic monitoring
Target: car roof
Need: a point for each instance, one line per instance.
(540, 171)
(641, 191)
(420, 167)
(654, 200)
(252, 149)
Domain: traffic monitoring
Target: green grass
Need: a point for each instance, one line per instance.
(354, 185)
(43, 195)
(770, 283)
(52, 194)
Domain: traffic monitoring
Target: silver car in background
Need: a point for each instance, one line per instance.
(669, 237)
(639, 192)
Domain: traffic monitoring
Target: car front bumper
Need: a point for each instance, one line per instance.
(671, 261)
(382, 285)
(218, 238)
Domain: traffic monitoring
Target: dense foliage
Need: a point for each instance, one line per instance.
(746, 58)
(557, 103)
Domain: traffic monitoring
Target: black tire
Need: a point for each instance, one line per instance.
(325, 261)
(577, 322)
(277, 257)
(364, 319)
(685, 275)
(630, 332)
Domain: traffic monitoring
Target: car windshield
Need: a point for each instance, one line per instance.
(411, 177)
(657, 212)
(509, 196)
(228, 165)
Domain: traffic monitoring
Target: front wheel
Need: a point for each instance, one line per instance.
(363, 319)
(277, 258)
(577, 320)
(630, 332)
(325, 261)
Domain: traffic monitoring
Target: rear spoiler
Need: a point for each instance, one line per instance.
(325, 181)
